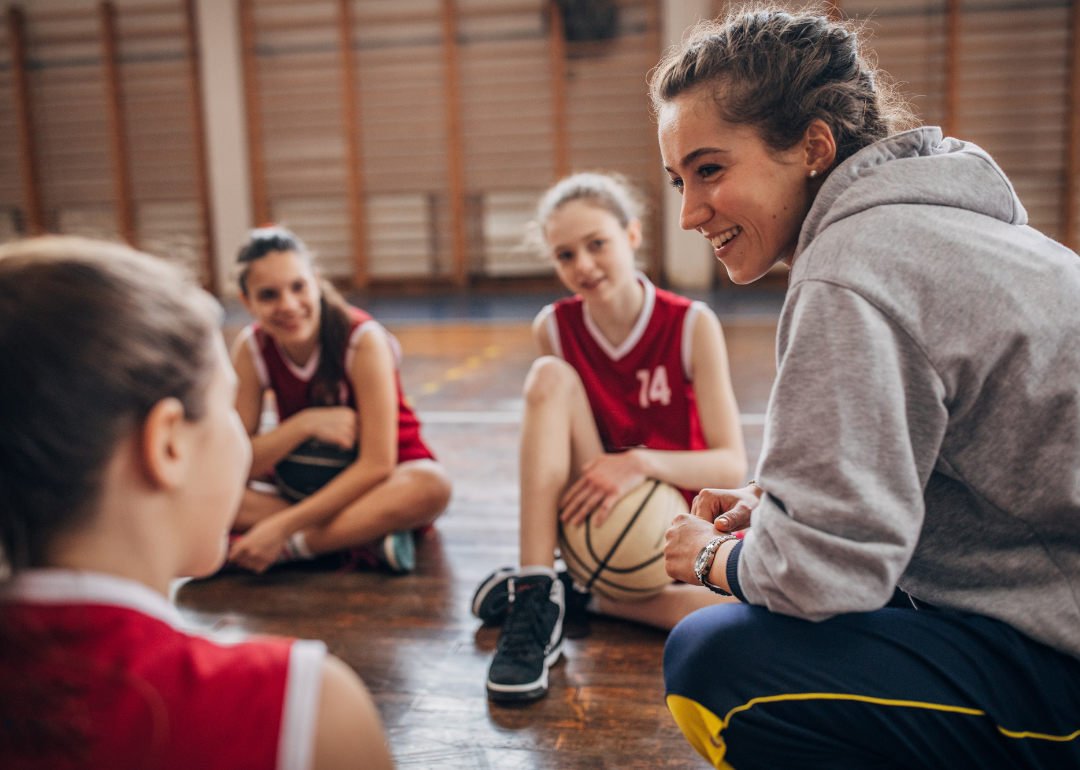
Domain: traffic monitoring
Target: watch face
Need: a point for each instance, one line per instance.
(702, 558)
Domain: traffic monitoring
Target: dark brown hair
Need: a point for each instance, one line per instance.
(779, 70)
(92, 336)
(325, 386)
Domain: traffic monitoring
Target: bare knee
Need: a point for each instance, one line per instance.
(550, 378)
(430, 485)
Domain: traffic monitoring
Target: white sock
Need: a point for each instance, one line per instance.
(593, 605)
(298, 547)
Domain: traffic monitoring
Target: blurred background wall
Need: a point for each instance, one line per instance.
(408, 140)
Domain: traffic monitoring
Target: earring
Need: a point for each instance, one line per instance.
(813, 173)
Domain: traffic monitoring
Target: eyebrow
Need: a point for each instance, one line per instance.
(697, 154)
(586, 237)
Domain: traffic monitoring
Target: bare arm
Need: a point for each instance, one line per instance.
(349, 734)
(540, 334)
(723, 465)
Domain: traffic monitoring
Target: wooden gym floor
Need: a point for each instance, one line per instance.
(413, 639)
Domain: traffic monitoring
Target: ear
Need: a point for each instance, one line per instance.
(819, 146)
(166, 444)
(633, 232)
(246, 302)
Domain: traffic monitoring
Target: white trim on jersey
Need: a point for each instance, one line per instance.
(632, 339)
(296, 746)
(360, 331)
(546, 317)
(688, 338)
(247, 337)
(303, 373)
(67, 586)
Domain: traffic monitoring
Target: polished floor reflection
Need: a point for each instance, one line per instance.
(412, 638)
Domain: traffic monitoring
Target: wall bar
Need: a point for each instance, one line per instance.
(557, 52)
(114, 99)
(1069, 235)
(24, 121)
(454, 155)
(655, 181)
(198, 145)
(260, 205)
(354, 159)
(951, 86)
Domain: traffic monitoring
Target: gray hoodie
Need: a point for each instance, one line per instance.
(924, 426)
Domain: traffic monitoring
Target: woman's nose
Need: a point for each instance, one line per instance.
(695, 212)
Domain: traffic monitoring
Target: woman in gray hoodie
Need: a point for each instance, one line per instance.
(923, 431)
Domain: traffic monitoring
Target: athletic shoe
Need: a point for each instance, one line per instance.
(491, 599)
(531, 640)
(398, 552)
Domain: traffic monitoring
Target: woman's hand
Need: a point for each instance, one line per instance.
(260, 546)
(603, 481)
(683, 542)
(332, 425)
(729, 509)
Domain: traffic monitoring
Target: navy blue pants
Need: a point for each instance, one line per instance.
(896, 688)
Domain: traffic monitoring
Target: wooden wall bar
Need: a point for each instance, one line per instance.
(125, 206)
(198, 138)
(253, 101)
(557, 37)
(1069, 229)
(354, 173)
(455, 155)
(950, 124)
(35, 214)
(657, 176)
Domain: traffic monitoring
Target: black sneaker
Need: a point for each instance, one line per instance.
(531, 640)
(491, 599)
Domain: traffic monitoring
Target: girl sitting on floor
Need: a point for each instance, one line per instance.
(333, 372)
(632, 383)
(122, 462)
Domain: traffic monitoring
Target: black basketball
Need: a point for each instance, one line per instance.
(307, 468)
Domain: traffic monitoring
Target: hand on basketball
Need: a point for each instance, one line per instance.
(332, 425)
(603, 481)
(259, 547)
(685, 538)
(728, 509)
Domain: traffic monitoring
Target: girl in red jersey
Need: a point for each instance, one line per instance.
(333, 372)
(122, 463)
(632, 383)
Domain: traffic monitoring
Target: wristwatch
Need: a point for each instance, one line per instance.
(705, 560)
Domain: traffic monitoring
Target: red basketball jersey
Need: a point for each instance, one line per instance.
(290, 382)
(106, 678)
(641, 391)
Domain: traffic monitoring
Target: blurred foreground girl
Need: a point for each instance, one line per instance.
(122, 463)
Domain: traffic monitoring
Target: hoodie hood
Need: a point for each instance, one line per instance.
(914, 167)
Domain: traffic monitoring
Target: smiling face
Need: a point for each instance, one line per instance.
(593, 252)
(748, 200)
(283, 295)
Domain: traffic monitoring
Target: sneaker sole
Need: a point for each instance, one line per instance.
(482, 592)
(520, 693)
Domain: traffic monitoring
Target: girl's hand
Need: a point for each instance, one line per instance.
(259, 547)
(603, 481)
(332, 425)
(728, 509)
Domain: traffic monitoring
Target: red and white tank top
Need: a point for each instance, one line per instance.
(641, 391)
(106, 668)
(290, 382)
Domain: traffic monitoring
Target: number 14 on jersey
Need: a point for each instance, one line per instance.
(654, 387)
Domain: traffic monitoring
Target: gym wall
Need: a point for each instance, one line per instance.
(458, 113)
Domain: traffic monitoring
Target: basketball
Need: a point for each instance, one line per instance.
(308, 467)
(623, 558)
